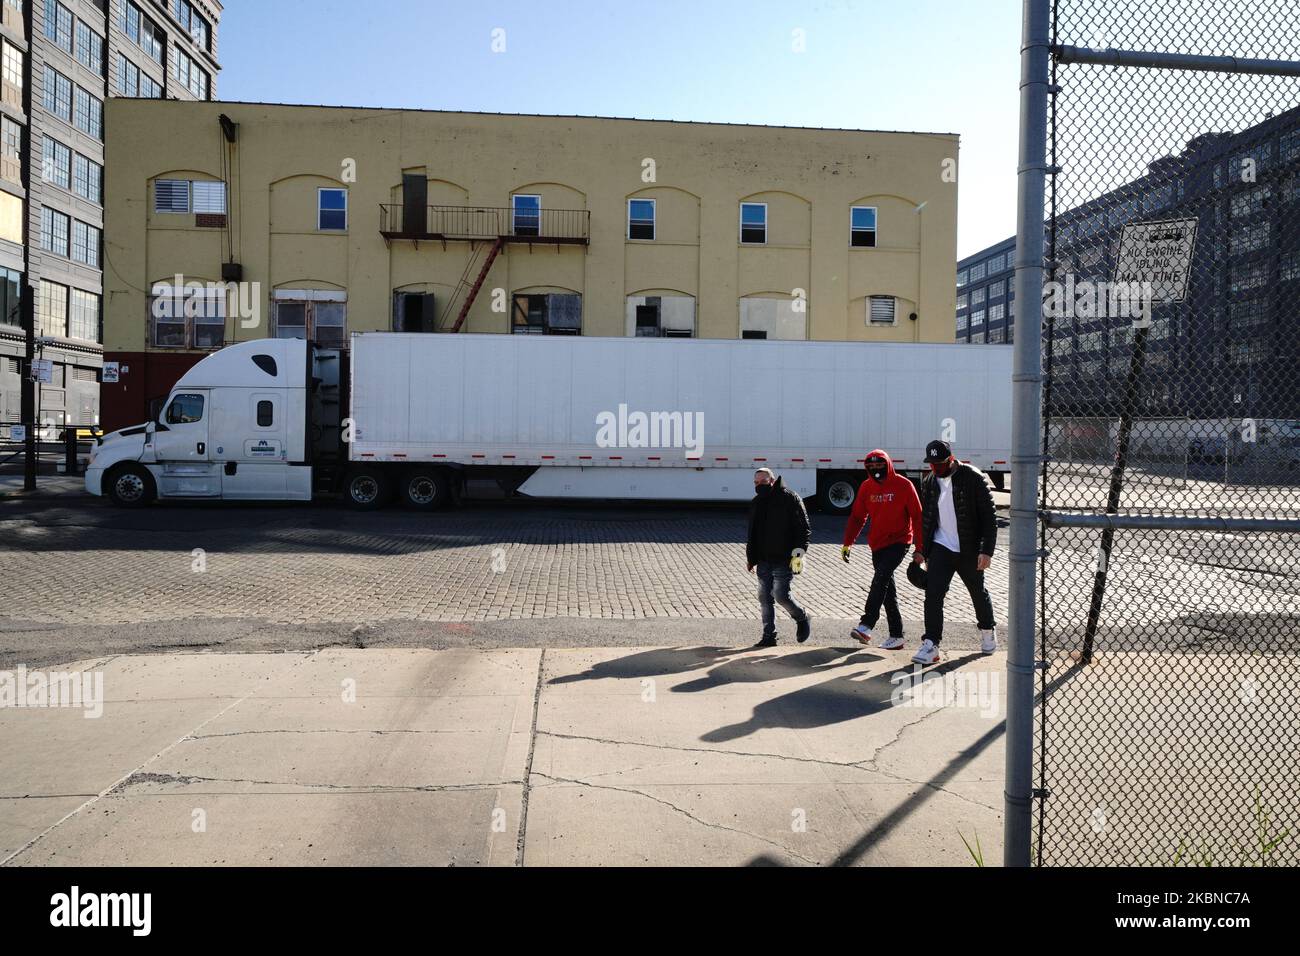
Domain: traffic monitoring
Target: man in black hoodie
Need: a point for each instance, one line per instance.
(779, 534)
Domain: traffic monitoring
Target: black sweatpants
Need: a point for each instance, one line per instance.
(941, 565)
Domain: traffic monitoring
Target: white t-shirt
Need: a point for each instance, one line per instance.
(946, 533)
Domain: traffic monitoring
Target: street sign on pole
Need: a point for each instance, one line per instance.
(43, 371)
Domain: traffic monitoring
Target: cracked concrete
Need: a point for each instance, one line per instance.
(607, 756)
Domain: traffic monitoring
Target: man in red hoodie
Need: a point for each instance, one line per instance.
(890, 501)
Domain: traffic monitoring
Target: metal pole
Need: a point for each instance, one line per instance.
(1177, 61)
(1026, 425)
(26, 301)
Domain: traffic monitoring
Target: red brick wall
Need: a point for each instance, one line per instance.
(147, 376)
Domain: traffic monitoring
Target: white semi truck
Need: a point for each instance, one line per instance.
(428, 419)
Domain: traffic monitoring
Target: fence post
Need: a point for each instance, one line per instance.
(1026, 424)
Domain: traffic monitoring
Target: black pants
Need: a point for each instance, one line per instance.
(941, 565)
(885, 562)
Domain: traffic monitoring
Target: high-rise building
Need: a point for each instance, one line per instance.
(59, 61)
(1231, 347)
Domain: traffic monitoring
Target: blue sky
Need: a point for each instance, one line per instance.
(930, 65)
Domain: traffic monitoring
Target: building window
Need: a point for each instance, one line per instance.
(998, 336)
(90, 49)
(11, 288)
(52, 309)
(84, 317)
(661, 316)
(332, 210)
(547, 314)
(171, 195)
(415, 312)
(89, 116)
(997, 264)
(977, 272)
(997, 312)
(963, 301)
(753, 222)
(14, 60)
(187, 317)
(54, 231)
(1289, 146)
(56, 163)
(11, 150)
(194, 23)
(319, 320)
(962, 278)
(142, 31)
(977, 295)
(880, 310)
(1250, 275)
(58, 94)
(1290, 267)
(862, 226)
(85, 243)
(977, 338)
(87, 178)
(998, 289)
(961, 323)
(640, 218)
(977, 318)
(58, 24)
(526, 215)
(1250, 202)
(193, 77)
(209, 197)
(1248, 238)
(135, 82)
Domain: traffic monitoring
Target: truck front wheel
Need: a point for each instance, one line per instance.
(130, 486)
(426, 489)
(367, 489)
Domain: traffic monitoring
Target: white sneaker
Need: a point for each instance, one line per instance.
(861, 633)
(989, 640)
(892, 644)
(928, 653)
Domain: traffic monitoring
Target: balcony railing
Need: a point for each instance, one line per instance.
(571, 226)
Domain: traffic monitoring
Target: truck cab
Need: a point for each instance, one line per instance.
(236, 426)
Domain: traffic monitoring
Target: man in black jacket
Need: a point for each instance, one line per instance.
(778, 539)
(959, 534)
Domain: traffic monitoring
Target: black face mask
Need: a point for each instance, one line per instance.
(762, 490)
(879, 474)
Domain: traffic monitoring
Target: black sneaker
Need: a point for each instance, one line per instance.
(803, 628)
(767, 642)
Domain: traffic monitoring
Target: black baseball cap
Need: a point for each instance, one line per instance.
(937, 451)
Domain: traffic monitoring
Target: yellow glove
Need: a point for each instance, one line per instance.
(796, 561)
(844, 553)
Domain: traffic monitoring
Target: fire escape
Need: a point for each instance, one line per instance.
(487, 229)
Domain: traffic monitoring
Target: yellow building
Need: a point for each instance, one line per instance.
(343, 219)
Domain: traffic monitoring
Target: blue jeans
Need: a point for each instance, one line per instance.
(773, 589)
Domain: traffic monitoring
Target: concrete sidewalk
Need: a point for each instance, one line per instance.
(593, 756)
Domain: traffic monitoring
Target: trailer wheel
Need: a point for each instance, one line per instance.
(426, 489)
(130, 486)
(367, 489)
(835, 494)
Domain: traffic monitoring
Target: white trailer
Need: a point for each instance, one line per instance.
(429, 418)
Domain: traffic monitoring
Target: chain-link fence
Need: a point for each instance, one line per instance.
(1168, 712)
